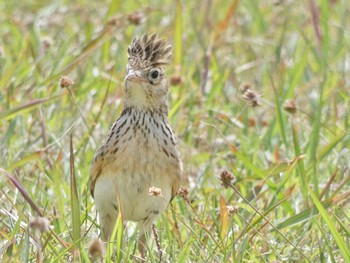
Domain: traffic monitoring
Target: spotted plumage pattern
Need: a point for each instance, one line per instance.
(140, 151)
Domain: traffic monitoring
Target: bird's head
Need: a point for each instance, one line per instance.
(146, 85)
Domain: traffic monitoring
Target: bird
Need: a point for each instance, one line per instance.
(140, 151)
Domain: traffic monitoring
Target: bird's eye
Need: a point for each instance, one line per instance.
(155, 74)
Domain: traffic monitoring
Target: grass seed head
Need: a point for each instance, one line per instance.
(232, 210)
(251, 97)
(183, 193)
(175, 80)
(155, 191)
(96, 249)
(290, 106)
(245, 87)
(114, 21)
(66, 82)
(135, 18)
(226, 178)
(40, 223)
(47, 42)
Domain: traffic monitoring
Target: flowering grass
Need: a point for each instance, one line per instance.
(260, 103)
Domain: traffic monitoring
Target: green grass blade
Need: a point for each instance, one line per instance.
(308, 213)
(344, 248)
(74, 199)
(301, 167)
(8, 114)
(279, 114)
(31, 157)
(178, 34)
(314, 141)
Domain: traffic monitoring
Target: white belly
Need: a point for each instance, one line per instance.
(133, 195)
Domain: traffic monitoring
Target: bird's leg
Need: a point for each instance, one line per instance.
(107, 222)
(143, 236)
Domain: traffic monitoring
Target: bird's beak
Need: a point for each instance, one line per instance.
(134, 76)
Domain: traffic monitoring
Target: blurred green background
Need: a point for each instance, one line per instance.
(260, 88)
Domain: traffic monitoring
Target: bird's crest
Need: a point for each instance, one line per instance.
(148, 51)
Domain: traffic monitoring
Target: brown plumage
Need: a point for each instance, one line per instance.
(140, 151)
(149, 51)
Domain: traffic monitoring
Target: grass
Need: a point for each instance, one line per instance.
(263, 91)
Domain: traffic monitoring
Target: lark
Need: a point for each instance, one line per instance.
(140, 151)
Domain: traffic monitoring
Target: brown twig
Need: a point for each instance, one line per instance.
(156, 239)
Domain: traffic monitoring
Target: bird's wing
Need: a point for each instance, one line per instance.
(95, 172)
(100, 158)
(96, 168)
(177, 180)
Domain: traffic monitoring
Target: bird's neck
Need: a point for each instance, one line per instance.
(160, 109)
(136, 98)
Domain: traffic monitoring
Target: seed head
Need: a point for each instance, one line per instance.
(135, 18)
(183, 193)
(40, 223)
(114, 21)
(46, 42)
(155, 191)
(96, 249)
(290, 106)
(226, 178)
(175, 80)
(66, 82)
(232, 210)
(251, 96)
(245, 87)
